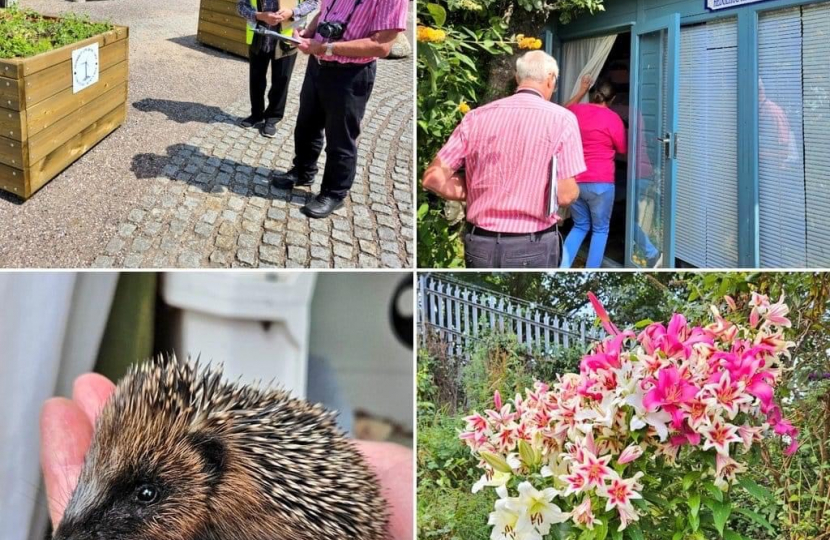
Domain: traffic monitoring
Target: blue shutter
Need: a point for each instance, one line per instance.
(707, 166)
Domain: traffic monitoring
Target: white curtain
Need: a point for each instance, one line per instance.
(50, 331)
(582, 57)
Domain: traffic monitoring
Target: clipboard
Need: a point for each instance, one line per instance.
(553, 187)
(279, 35)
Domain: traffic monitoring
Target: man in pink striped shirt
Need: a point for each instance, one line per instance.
(344, 41)
(506, 148)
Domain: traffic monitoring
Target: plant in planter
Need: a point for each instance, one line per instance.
(647, 440)
(63, 88)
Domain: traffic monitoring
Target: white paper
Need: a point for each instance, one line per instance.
(553, 191)
(84, 67)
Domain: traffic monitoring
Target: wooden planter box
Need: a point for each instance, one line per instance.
(44, 125)
(220, 26)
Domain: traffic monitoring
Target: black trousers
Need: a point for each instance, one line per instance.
(281, 70)
(332, 102)
(539, 250)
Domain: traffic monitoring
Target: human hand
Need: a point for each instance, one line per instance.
(270, 18)
(286, 14)
(66, 428)
(586, 82)
(311, 46)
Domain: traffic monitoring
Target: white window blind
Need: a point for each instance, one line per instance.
(707, 167)
(816, 80)
(780, 135)
(794, 137)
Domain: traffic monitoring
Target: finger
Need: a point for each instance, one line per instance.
(90, 393)
(66, 433)
(394, 467)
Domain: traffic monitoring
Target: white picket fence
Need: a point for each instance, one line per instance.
(457, 314)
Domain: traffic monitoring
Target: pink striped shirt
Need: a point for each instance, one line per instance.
(506, 147)
(370, 17)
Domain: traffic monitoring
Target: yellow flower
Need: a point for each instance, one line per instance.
(463, 107)
(520, 37)
(529, 43)
(431, 35)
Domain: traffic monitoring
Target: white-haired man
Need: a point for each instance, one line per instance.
(506, 148)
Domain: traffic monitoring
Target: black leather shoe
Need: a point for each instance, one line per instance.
(321, 206)
(268, 129)
(290, 179)
(251, 121)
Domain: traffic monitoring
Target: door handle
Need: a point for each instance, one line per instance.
(669, 145)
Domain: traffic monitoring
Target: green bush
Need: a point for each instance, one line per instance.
(25, 33)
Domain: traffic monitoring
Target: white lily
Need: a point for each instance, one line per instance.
(539, 510)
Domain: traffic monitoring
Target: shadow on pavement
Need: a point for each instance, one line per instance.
(187, 164)
(183, 112)
(191, 43)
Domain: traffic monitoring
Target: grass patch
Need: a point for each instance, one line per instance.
(25, 33)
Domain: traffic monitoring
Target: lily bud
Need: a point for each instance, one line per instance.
(497, 462)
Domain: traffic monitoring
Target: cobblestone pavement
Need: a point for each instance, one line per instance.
(211, 203)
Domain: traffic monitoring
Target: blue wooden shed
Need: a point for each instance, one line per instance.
(727, 103)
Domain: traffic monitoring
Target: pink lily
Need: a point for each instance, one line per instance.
(631, 453)
(594, 469)
(476, 422)
(603, 315)
(718, 435)
(584, 515)
(670, 391)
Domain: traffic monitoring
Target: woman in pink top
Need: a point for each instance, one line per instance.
(603, 136)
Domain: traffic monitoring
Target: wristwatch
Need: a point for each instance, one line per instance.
(329, 49)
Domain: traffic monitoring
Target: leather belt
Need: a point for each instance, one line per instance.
(478, 231)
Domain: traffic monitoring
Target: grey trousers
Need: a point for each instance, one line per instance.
(538, 250)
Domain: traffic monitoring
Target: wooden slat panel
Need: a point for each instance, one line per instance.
(48, 82)
(10, 97)
(12, 180)
(49, 59)
(13, 124)
(239, 49)
(10, 68)
(49, 167)
(53, 109)
(224, 19)
(12, 153)
(61, 131)
(219, 6)
(233, 34)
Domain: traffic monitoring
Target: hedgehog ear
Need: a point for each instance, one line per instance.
(213, 453)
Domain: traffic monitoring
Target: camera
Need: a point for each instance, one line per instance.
(332, 30)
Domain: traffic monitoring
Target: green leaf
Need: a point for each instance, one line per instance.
(690, 479)
(439, 14)
(759, 492)
(720, 513)
(634, 532)
(757, 518)
(694, 504)
(713, 490)
(601, 530)
(732, 535)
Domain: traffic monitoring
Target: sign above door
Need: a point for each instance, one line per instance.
(717, 5)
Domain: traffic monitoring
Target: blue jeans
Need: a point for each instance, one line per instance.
(591, 213)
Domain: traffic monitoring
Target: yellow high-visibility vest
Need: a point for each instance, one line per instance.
(249, 31)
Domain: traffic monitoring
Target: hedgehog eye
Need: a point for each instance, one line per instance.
(146, 494)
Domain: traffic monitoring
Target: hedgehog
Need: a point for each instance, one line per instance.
(180, 454)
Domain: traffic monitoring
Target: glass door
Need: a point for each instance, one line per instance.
(652, 162)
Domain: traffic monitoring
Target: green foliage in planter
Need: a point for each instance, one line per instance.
(25, 33)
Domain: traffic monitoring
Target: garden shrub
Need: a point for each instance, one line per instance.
(25, 33)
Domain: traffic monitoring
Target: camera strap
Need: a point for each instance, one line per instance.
(348, 17)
